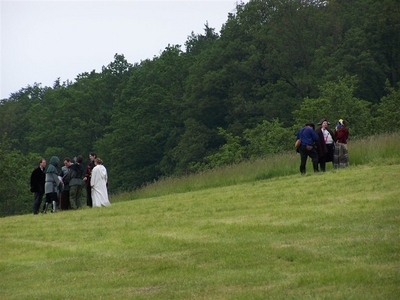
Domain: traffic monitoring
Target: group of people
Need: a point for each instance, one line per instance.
(323, 145)
(62, 188)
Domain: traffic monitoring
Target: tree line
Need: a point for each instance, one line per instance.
(219, 99)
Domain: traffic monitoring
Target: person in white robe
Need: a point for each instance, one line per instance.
(98, 183)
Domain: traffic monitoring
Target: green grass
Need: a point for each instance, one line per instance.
(375, 150)
(257, 230)
(328, 236)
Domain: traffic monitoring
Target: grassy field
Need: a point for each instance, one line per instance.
(376, 150)
(327, 236)
(256, 230)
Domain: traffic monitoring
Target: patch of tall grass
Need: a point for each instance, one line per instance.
(379, 149)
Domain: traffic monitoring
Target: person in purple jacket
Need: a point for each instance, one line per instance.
(308, 138)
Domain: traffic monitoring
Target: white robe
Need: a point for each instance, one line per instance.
(98, 183)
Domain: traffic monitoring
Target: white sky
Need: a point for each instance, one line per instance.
(44, 40)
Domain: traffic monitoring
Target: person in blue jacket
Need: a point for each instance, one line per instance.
(308, 138)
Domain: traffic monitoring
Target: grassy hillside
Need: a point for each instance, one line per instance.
(375, 150)
(327, 236)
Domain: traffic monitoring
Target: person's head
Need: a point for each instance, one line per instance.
(344, 123)
(92, 156)
(98, 161)
(310, 125)
(79, 159)
(323, 123)
(67, 162)
(42, 163)
(54, 160)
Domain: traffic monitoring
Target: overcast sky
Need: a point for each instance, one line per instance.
(44, 40)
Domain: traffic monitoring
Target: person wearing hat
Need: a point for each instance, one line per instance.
(340, 157)
(308, 138)
(325, 145)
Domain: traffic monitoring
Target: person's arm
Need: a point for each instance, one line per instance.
(315, 137)
(56, 179)
(93, 177)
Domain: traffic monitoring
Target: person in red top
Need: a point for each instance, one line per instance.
(340, 157)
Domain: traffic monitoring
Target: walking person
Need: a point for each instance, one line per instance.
(340, 157)
(325, 144)
(90, 166)
(98, 183)
(52, 184)
(74, 178)
(308, 138)
(38, 178)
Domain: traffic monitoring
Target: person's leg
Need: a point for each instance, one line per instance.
(54, 201)
(89, 201)
(322, 163)
(78, 196)
(314, 158)
(331, 150)
(303, 159)
(65, 200)
(46, 203)
(336, 154)
(36, 203)
(72, 196)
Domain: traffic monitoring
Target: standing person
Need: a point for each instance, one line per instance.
(340, 157)
(52, 184)
(90, 166)
(74, 178)
(38, 178)
(64, 202)
(325, 145)
(98, 183)
(308, 138)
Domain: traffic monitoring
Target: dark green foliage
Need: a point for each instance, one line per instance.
(388, 112)
(15, 172)
(219, 102)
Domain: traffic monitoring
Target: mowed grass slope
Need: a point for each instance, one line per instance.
(326, 236)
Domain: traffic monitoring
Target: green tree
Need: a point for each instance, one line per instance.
(144, 119)
(15, 196)
(388, 112)
(336, 102)
(231, 152)
(267, 138)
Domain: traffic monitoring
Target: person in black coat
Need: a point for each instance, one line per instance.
(90, 166)
(37, 185)
(326, 144)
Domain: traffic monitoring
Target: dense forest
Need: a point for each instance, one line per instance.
(221, 98)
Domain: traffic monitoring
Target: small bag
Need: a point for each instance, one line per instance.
(297, 143)
(309, 147)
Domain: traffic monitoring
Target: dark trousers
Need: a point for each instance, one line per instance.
(327, 157)
(64, 203)
(51, 198)
(89, 201)
(37, 200)
(304, 154)
(75, 192)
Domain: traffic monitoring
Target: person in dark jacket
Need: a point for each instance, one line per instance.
(64, 199)
(325, 144)
(74, 178)
(37, 185)
(308, 138)
(90, 166)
